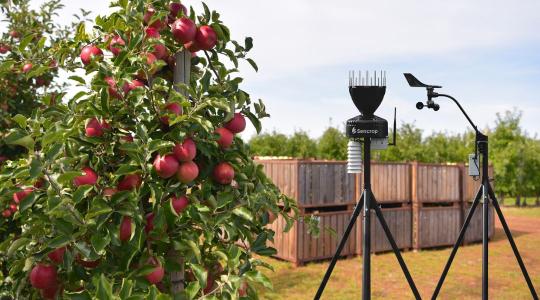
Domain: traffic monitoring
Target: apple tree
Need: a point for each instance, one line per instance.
(145, 190)
(29, 56)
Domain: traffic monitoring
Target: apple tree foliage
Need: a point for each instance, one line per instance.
(29, 55)
(222, 231)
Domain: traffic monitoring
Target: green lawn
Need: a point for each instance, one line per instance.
(463, 281)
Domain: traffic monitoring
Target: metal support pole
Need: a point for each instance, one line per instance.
(366, 250)
(340, 247)
(456, 245)
(512, 242)
(483, 147)
(395, 248)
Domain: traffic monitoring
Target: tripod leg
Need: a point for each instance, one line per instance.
(485, 241)
(390, 238)
(341, 244)
(512, 243)
(457, 244)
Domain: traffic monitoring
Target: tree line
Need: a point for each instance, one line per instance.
(514, 154)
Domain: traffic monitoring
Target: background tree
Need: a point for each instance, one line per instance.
(130, 168)
(269, 144)
(332, 144)
(301, 145)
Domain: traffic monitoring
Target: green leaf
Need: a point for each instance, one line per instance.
(21, 139)
(78, 79)
(125, 290)
(253, 64)
(53, 153)
(81, 193)
(200, 273)
(67, 177)
(126, 169)
(192, 289)
(104, 288)
(21, 120)
(100, 240)
(17, 244)
(25, 41)
(35, 168)
(27, 202)
(78, 295)
(59, 241)
(249, 43)
(156, 145)
(243, 212)
(195, 248)
(257, 276)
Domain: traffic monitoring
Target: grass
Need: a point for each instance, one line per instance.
(511, 201)
(388, 282)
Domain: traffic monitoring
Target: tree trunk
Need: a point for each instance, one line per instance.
(182, 73)
(518, 201)
(537, 199)
(501, 199)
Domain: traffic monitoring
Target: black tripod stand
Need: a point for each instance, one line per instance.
(485, 192)
(367, 202)
(367, 94)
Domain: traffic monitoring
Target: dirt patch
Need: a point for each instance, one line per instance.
(521, 224)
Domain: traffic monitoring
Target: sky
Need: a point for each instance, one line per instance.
(486, 53)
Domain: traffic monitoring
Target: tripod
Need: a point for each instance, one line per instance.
(367, 202)
(485, 192)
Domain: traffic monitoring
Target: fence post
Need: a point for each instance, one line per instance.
(415, 206)
(182, 73)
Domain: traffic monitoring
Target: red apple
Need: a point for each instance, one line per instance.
(13, 207)
(185, 151)
(89, 178)
(237, 124)
(4, 48)
(187, 172)
(206, 37)
(89, 53)
(127, 138)
(243, 289)
(157, 274)
(113, 89)
(20, 195)
(94, 128)
(160, 51)
(89, 264)
(41, 81)
(130, 182)
(166, 166)
(57, 255)
(192, 47)
(184, 30)
(152, 33)
(115, 42)
(209, 283)
(39, 183)
(43, 276)
(158, 24)
(174, 108)
(50, 293)
(175, 8)
(27, 67)
(125, 229)
(179, 203)
(225, 138)
(109, 192)
(128, 87)
(223, 173)
(14, 34)
(149, 222)
(6, 213)
(271, 217)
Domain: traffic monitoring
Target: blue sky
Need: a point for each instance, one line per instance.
(486, 53)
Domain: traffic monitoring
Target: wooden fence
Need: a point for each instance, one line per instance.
(423, 204)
